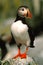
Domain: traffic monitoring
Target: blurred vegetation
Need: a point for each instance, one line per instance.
(8, 8)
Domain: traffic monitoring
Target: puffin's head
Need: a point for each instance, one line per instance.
(23, 11)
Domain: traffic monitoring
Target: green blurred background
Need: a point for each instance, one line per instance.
(8, 9)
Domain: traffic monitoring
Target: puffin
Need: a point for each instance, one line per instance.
(21, 32)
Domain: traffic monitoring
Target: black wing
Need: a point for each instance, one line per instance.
(32, 36)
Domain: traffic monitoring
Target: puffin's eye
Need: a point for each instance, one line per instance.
(22, 9)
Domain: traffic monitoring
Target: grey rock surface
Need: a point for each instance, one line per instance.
(19, 61)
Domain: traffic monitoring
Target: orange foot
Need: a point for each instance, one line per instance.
(20, 55)
(23, 55)
(17, 54)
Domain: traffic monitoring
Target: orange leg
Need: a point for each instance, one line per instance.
(21, 55)
(24, 54)
(17, 54)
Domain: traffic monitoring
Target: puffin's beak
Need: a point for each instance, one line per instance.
(29, 14)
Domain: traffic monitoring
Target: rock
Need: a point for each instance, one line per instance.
(19, 61)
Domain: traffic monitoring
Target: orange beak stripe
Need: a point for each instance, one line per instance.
(29, 14)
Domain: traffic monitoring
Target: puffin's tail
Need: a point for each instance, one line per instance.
(32, 44)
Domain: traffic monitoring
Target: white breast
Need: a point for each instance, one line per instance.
(20, 32)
